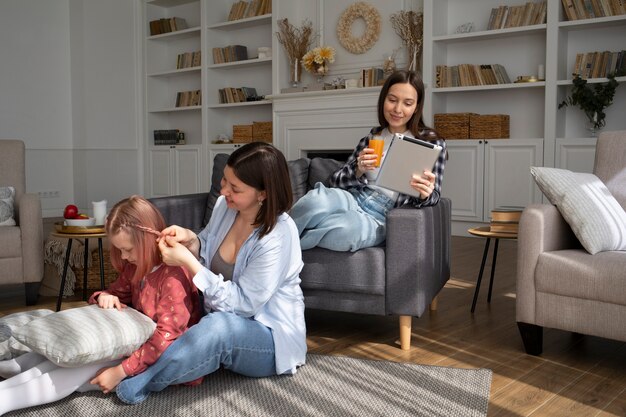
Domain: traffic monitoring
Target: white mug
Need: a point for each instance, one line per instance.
(99, 211)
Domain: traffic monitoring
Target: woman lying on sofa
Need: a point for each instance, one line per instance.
(246, 263)
(352, 213)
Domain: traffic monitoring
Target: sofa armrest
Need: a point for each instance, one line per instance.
(417, 256)
(186, 210)
(541, 229)
(30, 221)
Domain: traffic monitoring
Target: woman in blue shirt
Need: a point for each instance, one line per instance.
(246, 263)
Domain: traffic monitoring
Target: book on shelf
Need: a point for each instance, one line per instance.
(464, 75)
(230, 53)
(244, 9)
(166, 25)
(589, 9)
(188, 98)
(237, 95)
(599, 64)
(530, 13)
(169, 137)
(372, 77)
(188, 60)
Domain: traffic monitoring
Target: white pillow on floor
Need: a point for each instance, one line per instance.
(88, 334)
(9, 346)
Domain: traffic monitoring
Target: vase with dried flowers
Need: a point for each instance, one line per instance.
(296, 41)
(316, 61)
(409, 25)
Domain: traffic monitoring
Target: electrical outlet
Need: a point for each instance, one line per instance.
(49, 194)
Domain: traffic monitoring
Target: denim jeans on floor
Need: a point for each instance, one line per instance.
(239, 344)
(341, 220)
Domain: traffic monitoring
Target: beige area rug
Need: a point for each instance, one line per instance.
(325, 386)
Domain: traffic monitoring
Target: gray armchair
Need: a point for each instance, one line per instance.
(401, 278)
(21, 246)
(559, 284)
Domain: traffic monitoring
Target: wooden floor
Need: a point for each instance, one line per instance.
(575, 376)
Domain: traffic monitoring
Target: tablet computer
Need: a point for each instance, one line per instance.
(404, 157)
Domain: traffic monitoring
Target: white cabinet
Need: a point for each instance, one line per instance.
(175, 170)
(484, 174)
(576, 154)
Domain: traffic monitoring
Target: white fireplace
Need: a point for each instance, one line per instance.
(328, 121)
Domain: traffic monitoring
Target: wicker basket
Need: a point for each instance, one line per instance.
(489, 126)
(242, 133)
(262, 131)
(93, 272)
(453, 125)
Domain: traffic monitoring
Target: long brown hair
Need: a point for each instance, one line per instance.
(131, 215)
(263, 167)
(416, 122)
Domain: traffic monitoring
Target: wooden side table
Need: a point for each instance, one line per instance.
(485, 232)
(86, 236)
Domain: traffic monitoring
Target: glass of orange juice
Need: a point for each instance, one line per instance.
(377, 143)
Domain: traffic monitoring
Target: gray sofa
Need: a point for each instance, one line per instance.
(21, 246)
(401, 278)
(559, 284)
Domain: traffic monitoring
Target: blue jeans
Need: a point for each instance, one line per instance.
(240, 344)
(341, 220)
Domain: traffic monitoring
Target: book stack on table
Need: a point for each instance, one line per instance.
(505, 220)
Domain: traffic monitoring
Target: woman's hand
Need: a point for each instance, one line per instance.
(108, 378)
(181, 235)
(424, 184)
(366, 161)
(176, 254)
(106, 300)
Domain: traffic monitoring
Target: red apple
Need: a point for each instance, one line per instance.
(70, 212)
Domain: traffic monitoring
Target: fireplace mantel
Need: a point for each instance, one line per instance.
(331, 120)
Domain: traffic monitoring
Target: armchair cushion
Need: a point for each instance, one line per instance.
(7, 198)
(595, 216)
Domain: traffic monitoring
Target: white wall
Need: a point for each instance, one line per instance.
(68, 88)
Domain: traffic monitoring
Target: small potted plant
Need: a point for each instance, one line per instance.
(592, 99)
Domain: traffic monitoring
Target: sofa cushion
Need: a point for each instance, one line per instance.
(219, 162)
(7, 197)
(299, 174)
(576, 273)
(85, 335)
(595, 216)
(362, 271)
(321, 169)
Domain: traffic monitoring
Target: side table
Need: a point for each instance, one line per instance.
(485, 232)
(86, 236)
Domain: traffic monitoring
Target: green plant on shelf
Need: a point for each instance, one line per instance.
(593, 99)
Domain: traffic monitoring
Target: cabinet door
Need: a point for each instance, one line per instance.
(463, 179)
(507, 173)
(576, 154)
(160, 172)
(186, 173)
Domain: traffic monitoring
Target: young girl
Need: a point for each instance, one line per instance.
(163, 293)
(352, 214)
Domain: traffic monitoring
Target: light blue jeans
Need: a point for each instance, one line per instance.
(239, 344)
(341, 220)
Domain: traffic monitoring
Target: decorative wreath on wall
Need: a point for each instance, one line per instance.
(371, 17)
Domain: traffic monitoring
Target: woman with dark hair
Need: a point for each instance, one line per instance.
(246, 264)
(352, 214)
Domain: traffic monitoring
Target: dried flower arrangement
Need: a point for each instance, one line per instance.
(409, 25)
(296, 41)
(317, 59)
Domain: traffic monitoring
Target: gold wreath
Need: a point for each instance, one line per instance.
(372, 27)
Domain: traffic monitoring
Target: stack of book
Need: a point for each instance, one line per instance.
(169, 137)
(599, 64)
(465, 75)
(372, 77)
(515, 16)
(188, 98)
(588, 9)
(505, 219)
(171, 24)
